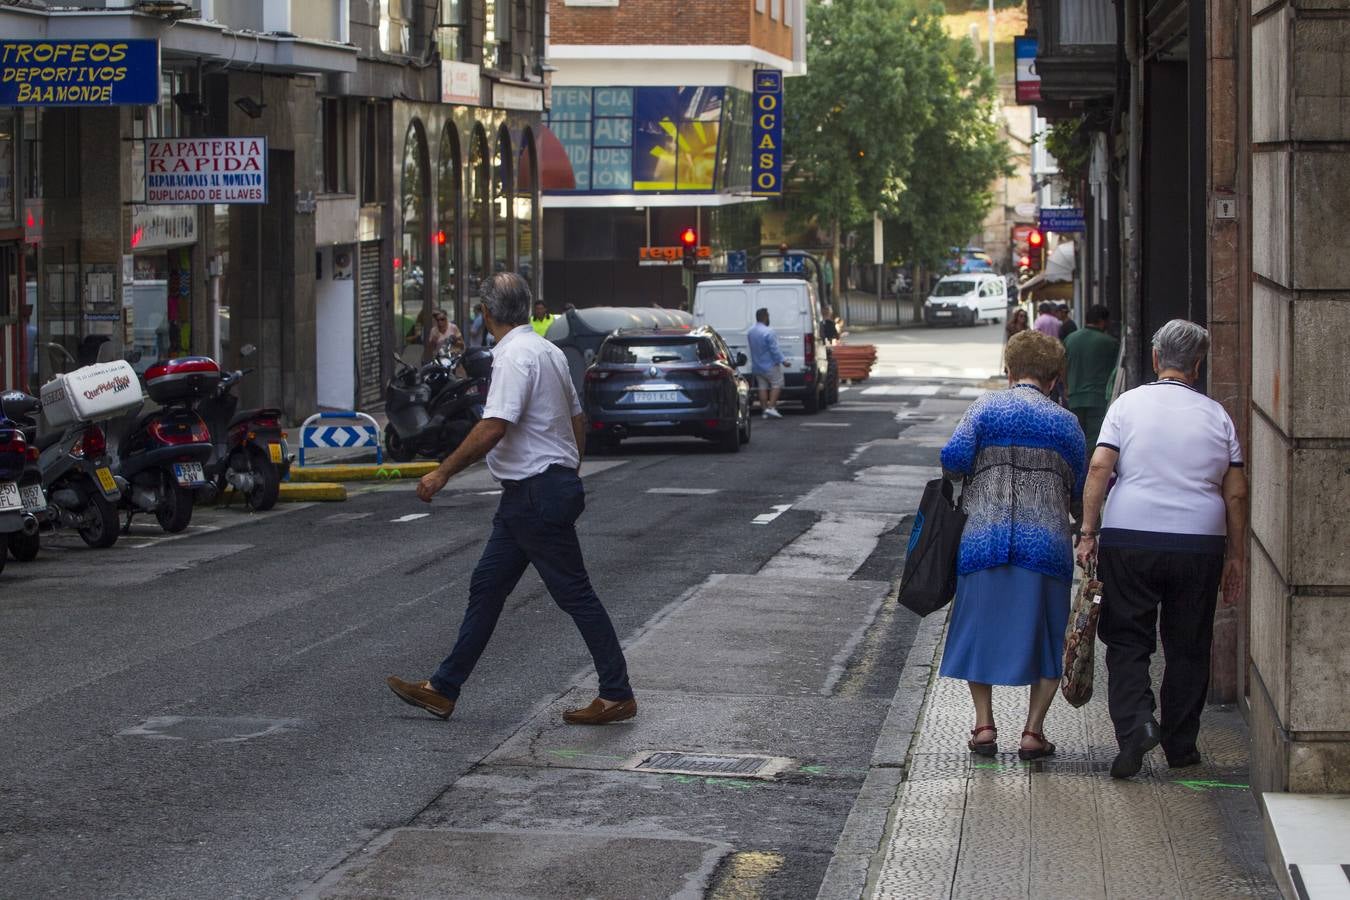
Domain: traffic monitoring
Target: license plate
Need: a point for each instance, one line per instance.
(33, 498)
(943, 312)
(189, 474)
(656, 397)
(106, 480)
(274, 451)
(9, 496)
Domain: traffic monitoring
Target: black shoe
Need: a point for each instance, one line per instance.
(1184, 760)
(1130, 759)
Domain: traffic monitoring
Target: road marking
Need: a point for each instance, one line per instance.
(487, 493)
(410, 517)
(335, 518)
(902, 390)
(971, 392)
(827, 424)
(683, 492)
(766, 518)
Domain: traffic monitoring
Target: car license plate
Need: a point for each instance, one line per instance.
(33, 498)
(274, 451)
(943, 312)
(656, 397)
(189, 474)
(106, 480)
(9, 496)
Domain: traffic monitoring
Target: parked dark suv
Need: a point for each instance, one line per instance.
(666, 381)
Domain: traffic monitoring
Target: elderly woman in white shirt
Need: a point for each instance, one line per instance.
(1172, 533)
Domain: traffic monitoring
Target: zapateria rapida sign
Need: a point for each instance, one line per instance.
(206, 170)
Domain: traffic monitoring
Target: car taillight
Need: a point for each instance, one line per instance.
(91, 445)
(809, 348)
(714, 372)
(196, 433)
(597, 374)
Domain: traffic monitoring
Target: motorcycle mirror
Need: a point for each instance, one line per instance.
(247, 350)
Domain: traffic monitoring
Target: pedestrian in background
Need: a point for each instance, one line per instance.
(827, 277)
(766, 363)
(1172, 534)
(1024, 461)
(1047, 322)
(541, 319)
(444, 335)
(1067, 325)
(1092, 355)
(829, 327)
(477, 328)
(1016, 324)
(532, 434)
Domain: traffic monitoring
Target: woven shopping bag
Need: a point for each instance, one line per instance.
(1080, 640)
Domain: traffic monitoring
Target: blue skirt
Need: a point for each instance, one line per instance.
(1007, 627)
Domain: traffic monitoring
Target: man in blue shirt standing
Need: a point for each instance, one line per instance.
(767, 363)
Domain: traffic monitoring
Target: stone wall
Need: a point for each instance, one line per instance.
(1300, 384)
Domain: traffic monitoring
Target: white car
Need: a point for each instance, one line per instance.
(966, 299)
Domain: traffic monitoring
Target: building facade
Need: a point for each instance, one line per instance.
(395, 165)
(657, 122)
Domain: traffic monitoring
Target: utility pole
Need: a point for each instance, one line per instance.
(991, 35)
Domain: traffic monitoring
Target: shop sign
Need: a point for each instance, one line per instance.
(1028, 84)
(157, 227)
(671, 256)
(79, 73)
(766, 167)
(510, 96)
(461, 83)
(1062, 219)
(206, 170)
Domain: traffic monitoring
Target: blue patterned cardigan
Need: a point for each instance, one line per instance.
(1025, 458)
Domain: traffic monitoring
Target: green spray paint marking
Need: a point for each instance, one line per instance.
(389, 474)
(576, 754)
(736, 784)
(812, 770)
(1211, 785)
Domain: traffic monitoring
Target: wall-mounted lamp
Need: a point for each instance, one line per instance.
(250, 107)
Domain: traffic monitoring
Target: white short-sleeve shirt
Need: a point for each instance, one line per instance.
(1176, 445)
(532, 391)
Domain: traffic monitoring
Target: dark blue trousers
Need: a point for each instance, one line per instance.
(536, 525)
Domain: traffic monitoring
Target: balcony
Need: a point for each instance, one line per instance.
(1077, 58)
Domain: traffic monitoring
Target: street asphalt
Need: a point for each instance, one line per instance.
(206, 715)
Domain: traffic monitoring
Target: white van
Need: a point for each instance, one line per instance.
(728, 305)
(966, 298)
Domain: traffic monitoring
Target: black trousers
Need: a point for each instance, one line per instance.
(1144, 593)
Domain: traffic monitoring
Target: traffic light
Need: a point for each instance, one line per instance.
(689, 241)
(1036, 248)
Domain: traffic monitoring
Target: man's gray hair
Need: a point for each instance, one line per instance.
(507, 298)
(1181, 344)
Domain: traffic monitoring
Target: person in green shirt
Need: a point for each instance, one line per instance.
(1092, 357)
(541, 319)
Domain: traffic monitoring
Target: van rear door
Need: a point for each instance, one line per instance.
(727, 309)
(788, 317)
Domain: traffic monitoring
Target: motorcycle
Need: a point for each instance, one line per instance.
(249, 448)
(160, 456)
(432, 409)
(23, 541)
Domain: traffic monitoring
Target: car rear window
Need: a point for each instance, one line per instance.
(954, 288)
(643, 353)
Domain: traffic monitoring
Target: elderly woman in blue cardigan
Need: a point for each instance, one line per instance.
(1023, 459)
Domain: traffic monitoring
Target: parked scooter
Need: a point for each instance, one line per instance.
(249, 448)
(14, 459)
(18, 410)
(160, 457)
(432, 409)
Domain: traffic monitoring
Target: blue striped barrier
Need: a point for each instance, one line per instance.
(341, 437)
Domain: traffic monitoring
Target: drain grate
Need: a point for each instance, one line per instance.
(730, 765)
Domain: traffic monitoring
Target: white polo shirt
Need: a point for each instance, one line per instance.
(532, 391)
(1176, 445)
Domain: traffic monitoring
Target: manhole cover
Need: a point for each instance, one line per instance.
(208, 729)
(733, 765)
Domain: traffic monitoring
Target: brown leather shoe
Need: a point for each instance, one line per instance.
(421, 695)
(598, 714)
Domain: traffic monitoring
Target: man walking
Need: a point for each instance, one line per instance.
(532, 434)
(1047, 322)
(766, 363)
(1092, 357)
(1067, 325)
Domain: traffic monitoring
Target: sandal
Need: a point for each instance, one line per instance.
(983, 748)
(1046, 748)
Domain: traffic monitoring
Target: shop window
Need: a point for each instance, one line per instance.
(9, 167)
(410, 263)
(333, 150)
(162, 306)
(447, 223)
(502, 212)
(452, 38)
(477, 193)
(524, 209)
(497, 35)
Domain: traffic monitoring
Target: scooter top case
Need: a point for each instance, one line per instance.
(91, 394)
(184, 379)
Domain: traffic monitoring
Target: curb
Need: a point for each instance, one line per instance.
(296, 493)
(359, 472)
(848, 873)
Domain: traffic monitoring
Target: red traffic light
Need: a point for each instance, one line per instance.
(440, 237)
(1035, 238)
(689, 237)
(1025, 261)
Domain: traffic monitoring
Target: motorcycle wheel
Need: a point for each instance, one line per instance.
(24, 547)
(266, 483)
(103, 533)
(3, 554)
(394, 446)
(175, 513)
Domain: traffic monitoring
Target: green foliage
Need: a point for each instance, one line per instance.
(889, 119)
(1069, 143)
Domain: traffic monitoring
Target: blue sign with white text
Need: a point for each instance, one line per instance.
(766, 133)
(79, 73)
(1062, 219)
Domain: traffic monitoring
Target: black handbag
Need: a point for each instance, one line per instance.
(929, 579)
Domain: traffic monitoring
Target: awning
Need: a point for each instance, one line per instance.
(555, 169)
(1058, 268)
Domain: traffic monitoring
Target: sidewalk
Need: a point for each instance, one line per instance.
(962, 826)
